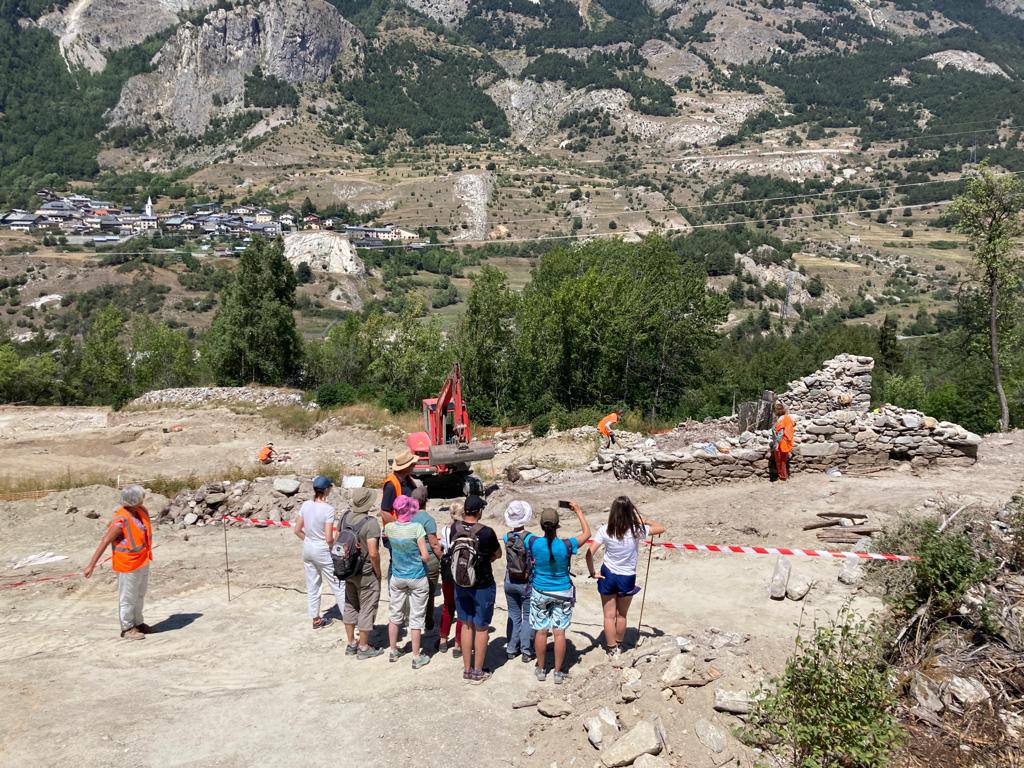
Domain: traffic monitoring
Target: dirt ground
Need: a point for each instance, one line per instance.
(248, 682)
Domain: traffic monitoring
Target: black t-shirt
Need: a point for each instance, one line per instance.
(486, 546)
(387, 501)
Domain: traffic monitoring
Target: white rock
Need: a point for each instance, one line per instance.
(681, 667)
(554, 708)
(650, 761)
(289, 486)
(710, 735)
(191, 518)
(641, 739)
(967, 690)
(798, 588)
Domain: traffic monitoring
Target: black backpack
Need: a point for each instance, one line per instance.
(518, 561)
(465, 553)
(346, 553)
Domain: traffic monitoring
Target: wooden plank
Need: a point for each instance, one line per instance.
(825, 524)
(850, 515)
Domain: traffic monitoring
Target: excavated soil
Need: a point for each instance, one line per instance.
(247, 681)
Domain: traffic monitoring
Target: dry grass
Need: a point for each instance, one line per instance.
(375, 417)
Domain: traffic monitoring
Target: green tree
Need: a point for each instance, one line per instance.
(161, 357)
(26, 379)
(989, 214)
(889, 355)
(104, 367)
(486, 344)
(252, 336)
(303, 273)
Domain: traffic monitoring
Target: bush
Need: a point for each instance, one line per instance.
(908, 233)
(948, 567)
(541, 425)
(336, 394)
(833, 706)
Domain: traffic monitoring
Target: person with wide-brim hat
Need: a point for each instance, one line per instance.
(518, 633)
(362, 589)
(399, 482)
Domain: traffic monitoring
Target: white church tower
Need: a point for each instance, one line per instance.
(148, 211)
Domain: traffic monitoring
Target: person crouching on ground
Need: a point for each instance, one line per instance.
(130, 534)
(782, 442)
(553, 595)
(448, 616)
(362, 589)
(474, 548)
(314, 527)
(519, 636)
(407, 579)
(621, 538)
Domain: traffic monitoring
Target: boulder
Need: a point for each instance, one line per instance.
(710, 735)
(215, 499)
(851, 573)
(798, 588)
(682, 667)
(650, 761)
(191, 518)
(926, 692)
(967, 690)
(288, 486)
(733, 702)
(815, 450)
(554, 708)
(641, 739)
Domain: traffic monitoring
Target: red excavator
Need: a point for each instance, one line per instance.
(445, 450)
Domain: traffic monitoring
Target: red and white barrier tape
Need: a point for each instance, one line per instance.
(725, 549)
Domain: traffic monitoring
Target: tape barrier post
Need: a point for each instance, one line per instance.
(227, 566)
(643, 600)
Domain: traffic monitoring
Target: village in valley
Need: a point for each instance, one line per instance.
(76, 219)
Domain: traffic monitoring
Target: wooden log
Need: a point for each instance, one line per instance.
(850, 515)
(823, 524)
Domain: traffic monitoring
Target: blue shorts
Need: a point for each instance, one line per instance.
(475, 606)
(616, 584)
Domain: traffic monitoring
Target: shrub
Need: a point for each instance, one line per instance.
(335, 394)
(948, 567)
(833, 706)
(541, 425)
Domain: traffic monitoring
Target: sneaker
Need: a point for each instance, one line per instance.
(540, 673)
(560, 677)
(442, 645)
(478, 676)
(614, 652)
(528, 658)
(395, 655)
(319, 622)
(352, 649)
(511, 656)
(420, 661)
(133, 634)
(369, 653)
(456, 652)
(467, 675)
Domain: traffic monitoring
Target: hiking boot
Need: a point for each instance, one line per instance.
(540, 673)
(560, 677)
(395, 655)
(144, 628)
(478, 676)
(352, 649)
(420, 661)
(368, 653)
(133, 634)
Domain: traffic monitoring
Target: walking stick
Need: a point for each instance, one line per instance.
(227, 568)
(643, 600)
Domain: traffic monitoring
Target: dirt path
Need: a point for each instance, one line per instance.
(230, 684)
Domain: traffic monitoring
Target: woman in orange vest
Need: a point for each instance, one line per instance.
(607, 426)
(130, 535)
(782, 440)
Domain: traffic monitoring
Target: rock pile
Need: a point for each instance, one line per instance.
(265, 498)
(189, 397)
(834, 429)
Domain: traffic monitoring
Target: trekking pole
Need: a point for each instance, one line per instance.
(227, 569)
(643, 600)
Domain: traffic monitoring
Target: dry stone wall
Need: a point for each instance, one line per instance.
(835, 428)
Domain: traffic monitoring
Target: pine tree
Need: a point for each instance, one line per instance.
(890, 357)
(253, 337)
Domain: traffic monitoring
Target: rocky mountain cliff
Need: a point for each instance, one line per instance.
(200, 72)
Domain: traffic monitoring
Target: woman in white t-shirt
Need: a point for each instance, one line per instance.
(621, 538)
(315, 526)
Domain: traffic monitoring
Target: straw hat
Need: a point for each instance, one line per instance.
(404, 460)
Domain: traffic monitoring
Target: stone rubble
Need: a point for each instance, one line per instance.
(834, 430)
(189, 397)
(265, 498)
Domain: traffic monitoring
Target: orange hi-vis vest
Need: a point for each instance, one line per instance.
(135, 547)
(265, 453)
(785, 430)
(395, 483)
(605, 425)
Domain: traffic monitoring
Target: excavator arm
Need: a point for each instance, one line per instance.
(447, 423)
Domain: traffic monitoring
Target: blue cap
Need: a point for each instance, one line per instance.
(322, 483)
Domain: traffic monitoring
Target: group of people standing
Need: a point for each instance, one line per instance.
(459, 558)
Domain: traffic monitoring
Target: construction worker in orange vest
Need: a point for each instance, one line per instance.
(130, 535)
(607, 427)
(783, 434)
(266, 455)
(400, 482)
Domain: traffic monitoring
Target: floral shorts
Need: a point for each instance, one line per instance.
(550, 612)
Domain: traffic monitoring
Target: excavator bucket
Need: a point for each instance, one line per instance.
(461, 453)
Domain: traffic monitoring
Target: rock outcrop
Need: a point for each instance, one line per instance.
(200, 72)
(446, 12)
(967, 61)
(87, 30)
(324, 252)
(834, 429)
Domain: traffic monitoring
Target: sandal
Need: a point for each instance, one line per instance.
(479, 676)
(319, 622)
